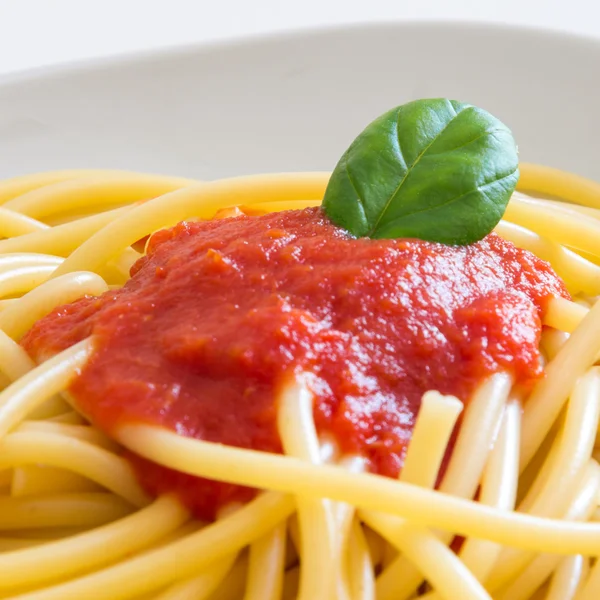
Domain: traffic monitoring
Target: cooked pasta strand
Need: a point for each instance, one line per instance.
(35, 480)
(550, 393)
(315, 517)
(13, 224)
(567, 578)
(435, 422)
(178, 560)
(62, 239)
(23, 279)
(440, 566)
(17, 319)
(30, 391)
(498, 489)
(366, 491)
(84, 433)
(542, 566)
(9, 262)
(564, 315)
(61, 510)
(266, 566)
(360, 567)
(575, 231)
(102, 466)
(579, 274)
(17, 186)
(547, 181)
(195, 201)
(203, 585)
(14, 361)
(80, 553)
(75, 194)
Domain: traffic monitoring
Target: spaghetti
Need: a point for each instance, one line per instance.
(520, 487)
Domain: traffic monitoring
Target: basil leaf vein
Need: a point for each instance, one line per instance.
(436, 169)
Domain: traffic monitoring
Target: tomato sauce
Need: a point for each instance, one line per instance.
(218, 313)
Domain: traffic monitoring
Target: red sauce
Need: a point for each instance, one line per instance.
(217, 313)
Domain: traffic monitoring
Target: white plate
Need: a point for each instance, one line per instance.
(294, 102)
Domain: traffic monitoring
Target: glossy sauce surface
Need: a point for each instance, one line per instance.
(219, 313)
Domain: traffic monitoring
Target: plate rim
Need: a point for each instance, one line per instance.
(238, 42)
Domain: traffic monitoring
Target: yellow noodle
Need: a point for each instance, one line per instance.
(5, 478)
(199, 201)
(80, 553)
(13, 224)
(375, 544)
(23, 279)
(567, 578)
(14, 361)
(125, 261)
(360, 567)
(363, 490)
(36, 386)
(550, 393)
(17, 319)
(401, 578)
(476, 437)
(102, 466)
(547, 181)
(201, 586)
(175, 561)
(63, 239)
(61, 510)
(68, 418)
(51, 410)
(533, 479)
(590, 589)
(294, 532)
(552, 341)
(440, 566)
(8, 544)
(6, 302)
(435, 422)
(4, 381)
(27, 259)
(85, 433)
(563, 315)
(37, 480)
(16, 186)
(498, 489)
(574, 450)
(58, 532)
(575, 231)
(594, 213)
(75, 194)
(269, 207)
(233, 586)
(343, 519)
(579, 274)
(265, 566)
(475, 440)
(541, 567)
(299, 439)
(574, 447)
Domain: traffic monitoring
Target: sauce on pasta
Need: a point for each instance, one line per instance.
(219, 312)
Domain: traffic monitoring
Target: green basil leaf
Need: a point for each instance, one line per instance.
(436, 169)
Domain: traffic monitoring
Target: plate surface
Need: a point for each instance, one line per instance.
(294, 102)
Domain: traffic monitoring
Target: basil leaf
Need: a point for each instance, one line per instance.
(437, 169)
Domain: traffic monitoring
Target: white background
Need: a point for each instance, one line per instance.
(35, 33)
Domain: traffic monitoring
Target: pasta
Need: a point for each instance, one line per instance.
(521, 487)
